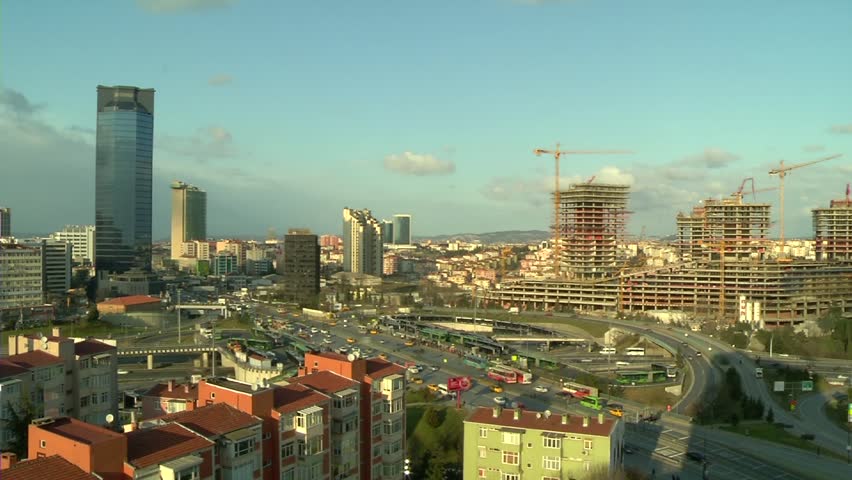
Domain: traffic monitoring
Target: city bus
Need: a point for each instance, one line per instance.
(608, 351)
(476, 362)
(671, 371)
(502, 374)
(635, 351)
(525, 378)
(633, 377)
(593, 402)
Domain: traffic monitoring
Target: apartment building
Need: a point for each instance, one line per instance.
(90, 374)
(82, 240)
(22, 281)
(166, 398)
(381, 386)
(92, 448)
(53, 466)
(362, 242)
(516, 444)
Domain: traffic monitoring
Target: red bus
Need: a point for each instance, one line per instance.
(502, 374)
(523, 377)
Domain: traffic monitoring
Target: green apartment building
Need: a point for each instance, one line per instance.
(506, 444)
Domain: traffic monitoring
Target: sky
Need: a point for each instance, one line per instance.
(286, 111)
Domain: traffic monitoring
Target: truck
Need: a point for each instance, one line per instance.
(758, 372)
(514, 310)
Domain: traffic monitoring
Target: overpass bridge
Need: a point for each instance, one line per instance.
(197, 306)
(524, 339)
(151, 350)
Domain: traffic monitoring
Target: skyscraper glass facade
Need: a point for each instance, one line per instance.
(402, 229)
(123, 159)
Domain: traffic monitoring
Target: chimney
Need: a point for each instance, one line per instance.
(600, 418)
(8, 460)
(186, 388)
(585, 421)
(564, 419)
(171, 385)
(57, 332)
(496, 412)
(517, 414)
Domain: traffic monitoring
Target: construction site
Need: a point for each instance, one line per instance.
(726, 261)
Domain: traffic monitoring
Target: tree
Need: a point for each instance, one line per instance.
(18, 422)
(735, 419)
(435, 469)
(433, 418)
(770, 416)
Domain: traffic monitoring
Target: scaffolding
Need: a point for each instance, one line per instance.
(833, 231)
(593, 217)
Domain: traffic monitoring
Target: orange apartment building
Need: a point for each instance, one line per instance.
(42, 468)
(166, 398)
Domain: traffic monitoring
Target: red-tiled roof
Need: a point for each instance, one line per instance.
(154, 446)
(378, 368)
(89, 347)
(325, 381)
(131, 300)
(34, 358)
(10, 369)
(79, 431)
(553, 423)
(291, 398)
(161, 390)
(46, 468)
(212, 420)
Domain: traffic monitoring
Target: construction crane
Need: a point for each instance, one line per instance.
(557, 231)
(781, 171)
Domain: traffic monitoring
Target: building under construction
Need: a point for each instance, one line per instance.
(723, 260)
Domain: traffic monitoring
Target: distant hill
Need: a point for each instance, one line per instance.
(509, 236)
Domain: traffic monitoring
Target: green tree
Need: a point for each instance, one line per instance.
(843, 332)
(432, 417)
(770, 416)
(18, 422)
(435, 469)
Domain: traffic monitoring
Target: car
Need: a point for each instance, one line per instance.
(382, 341)
(327, 341)
(373, 331)
(343, 350)
(350, 340)
(616, 409)
(689, 357)
(383, 356)
(333, 324)
(540, 389)
(432, 387)
(324, 331)
(409, 343)
(417, 380)
(501, 401)
(697, 354)
(435, 369)
(695, 456)
(414, 369)
(123, 372)
(314, 330)
(684, 344)
(496, 388)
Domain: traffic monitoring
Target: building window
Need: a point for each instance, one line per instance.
(244, 447)
(84, 401)
(393, 406)
(392, 426)
(587, 444)
(551, 463)
(286, 422)
(480, 473)
(377, 408)
(288, 450)
(43, 444)
(483, 451)
(551, 442)
(289, 474)
(511, 458)
(510, 476)
(104, 397)
(267, 463)
(510, 438)
(191, 474)
(483, 432)
(377, 429)
(212, 394)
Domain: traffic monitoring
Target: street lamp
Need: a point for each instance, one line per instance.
(407, 470)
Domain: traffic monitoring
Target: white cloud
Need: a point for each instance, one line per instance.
(179, 6)
(408, 163)
(538, 190)
(16, 102)
(220, 79)
(711, 158)
(843, 129)
(210, 142)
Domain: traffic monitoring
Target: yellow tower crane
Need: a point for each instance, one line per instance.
(781, 171)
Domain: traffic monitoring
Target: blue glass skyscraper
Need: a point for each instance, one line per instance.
(123, 168)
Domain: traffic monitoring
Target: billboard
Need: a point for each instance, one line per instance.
(778, 387)
(455, 384)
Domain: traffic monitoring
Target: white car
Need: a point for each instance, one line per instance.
(324, 331)
(314, 330)
(540, 389)
(501, 401)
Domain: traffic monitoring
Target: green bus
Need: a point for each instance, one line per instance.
(593, 402)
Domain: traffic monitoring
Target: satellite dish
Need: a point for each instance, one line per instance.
(351, 357)
(547, 414)
(44, 343)
(538, 415)
(109, 418)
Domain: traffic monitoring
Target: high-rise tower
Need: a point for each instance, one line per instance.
(402, 229)
(362, 242)
(123, 168)
(5, 222)
(189, 216)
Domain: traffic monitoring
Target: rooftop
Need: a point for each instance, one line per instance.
(78, 430)
(34, 358)
(235, 385)
(325, 381)
(212, 420)
(131, 300)
(90, 347)
(540, 421)
(10, 369)
(161, 390)
(154, 446)
(292, 398)
(378, 368)
(45, 468)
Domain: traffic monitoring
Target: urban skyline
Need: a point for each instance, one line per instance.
(702, 113)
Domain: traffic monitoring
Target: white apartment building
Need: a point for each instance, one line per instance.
(82, 240)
